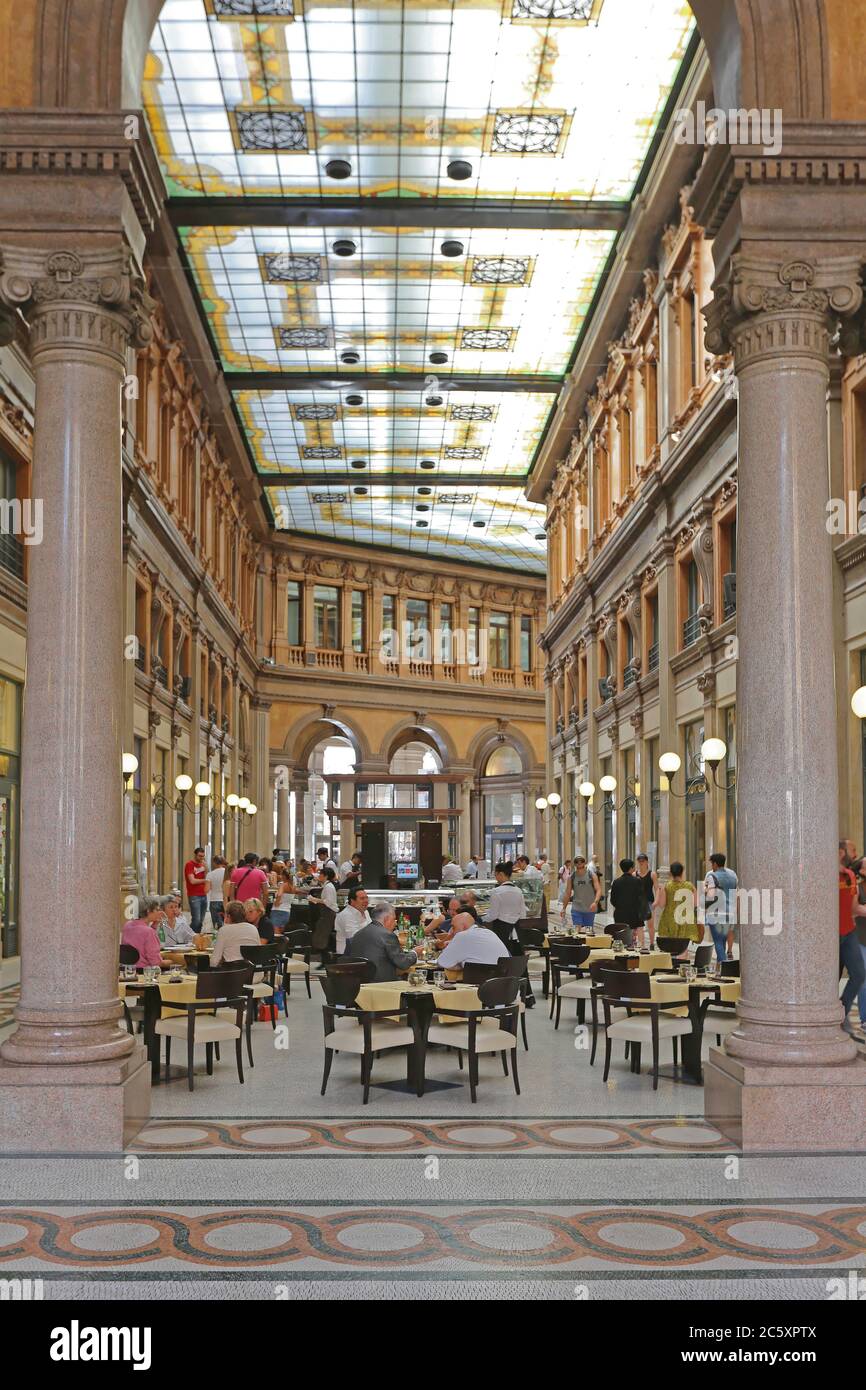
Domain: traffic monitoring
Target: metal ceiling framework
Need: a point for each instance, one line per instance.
(400, 350)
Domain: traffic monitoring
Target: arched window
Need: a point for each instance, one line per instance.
(504, 761)
(414, 758)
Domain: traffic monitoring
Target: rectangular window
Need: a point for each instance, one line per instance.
(388, 637)
(418, 629)
(446, 632)
(326, 617)
(499, 641)
(294, 613)
(472, 636)
(359, 625)
(525, 643)
(651, 778)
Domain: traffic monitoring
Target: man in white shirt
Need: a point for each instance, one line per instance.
(353, 917)
(507, 907)
(324, 860)
(528, 870)
(350, 871)
(451, 872)
(472, 943)
(471, 870)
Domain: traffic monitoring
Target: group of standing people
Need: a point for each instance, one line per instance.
(638, 899)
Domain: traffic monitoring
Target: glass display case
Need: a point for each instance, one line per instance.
(531, 888)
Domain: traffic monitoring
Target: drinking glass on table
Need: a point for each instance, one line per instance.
(438, 978)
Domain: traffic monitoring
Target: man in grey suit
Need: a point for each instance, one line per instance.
(377, 943)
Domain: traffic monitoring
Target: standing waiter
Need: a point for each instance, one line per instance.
(507, 908)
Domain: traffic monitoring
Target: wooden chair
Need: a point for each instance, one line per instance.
(128, 956)
(652, 1022)
(296, 947)
(730, 969)
(350, 1029)
(266, 962)
(532, 944)
(674, 945)
(214, 990)
(703, 956)
(516, 966)
(570, 958)
(358, 968)
(493, 1028)
(322, 932)
(621, 931)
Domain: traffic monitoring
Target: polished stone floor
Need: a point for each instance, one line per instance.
(576, 1189)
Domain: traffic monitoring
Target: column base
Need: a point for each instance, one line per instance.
(93, 1108)
(794, 1109)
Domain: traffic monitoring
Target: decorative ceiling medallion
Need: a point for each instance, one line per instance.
(321, 451)
(452, 452)
(330, 497)
(314, 412)
(292, 268)
(555, 11)
(304, 337)
(281, 128)
(456, 499)
(499, 270)
(249, 9)
(528, 132)
(472, 412)
(490, 339)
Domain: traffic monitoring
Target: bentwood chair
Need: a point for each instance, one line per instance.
(266, 962)
(703, 956)
(492, 1028)
(321, 936)
(296, 947)
(532, 944)
(363, 1032)
(647, 1019)
(128, 956)
(570, 959)
(674, 945)
(730, 969)
(198, 1022)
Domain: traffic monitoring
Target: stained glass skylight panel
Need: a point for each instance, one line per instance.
(282, 298)
(255, 98)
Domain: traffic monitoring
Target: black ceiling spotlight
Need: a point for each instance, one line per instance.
(338, 168)
(433, 400)
(541, 535)
(354, 400)
(344, 247)
(422, 523)
(451, 248)
(358, 463)
(479, 523)
(425, 492)
(428, 463)
(438, 358)
(421, 507)
(360, 491)
(459, 169)
(350, 357)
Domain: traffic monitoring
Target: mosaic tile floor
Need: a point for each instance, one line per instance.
(574, 1190)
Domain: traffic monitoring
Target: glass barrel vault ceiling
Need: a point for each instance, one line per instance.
(546, 101)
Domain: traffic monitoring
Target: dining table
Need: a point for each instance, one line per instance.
(421, 1003)
(154, 994)
(697, 995)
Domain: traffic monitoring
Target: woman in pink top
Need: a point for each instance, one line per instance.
(141, 933)
(248, 881)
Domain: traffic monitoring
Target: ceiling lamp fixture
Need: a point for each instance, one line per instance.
(344, 247)
(360, 491)
(350, 357)
(459, 169)
(354, 400)
(338, 168)
(541, 535)
(479, 523)
(428, 463)
(434, 400)
(421, 507)
(358, 463)
(452, 248)
(422, 523)
(438, 358)
(425, 491)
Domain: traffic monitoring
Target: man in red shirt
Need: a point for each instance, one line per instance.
(850, 955)
(195, 874)
(247, 881)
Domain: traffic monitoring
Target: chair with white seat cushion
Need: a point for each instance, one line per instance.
(363, 1032)
(493, 1028)
(296, 947)
(267, 963)
(567, 958)
(199, 1021)
(647, 1020)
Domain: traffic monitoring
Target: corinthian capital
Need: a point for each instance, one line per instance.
(93, 299)
(769, 307)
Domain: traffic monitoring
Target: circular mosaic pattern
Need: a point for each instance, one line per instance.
(173, 1137)
(11, 1234)
(248, 1235)
(276, 1136)
(374, 1235)
(577, 1137)
(689, 1135)
(516, 1237)
(773, 1235)
(118, 1238)
(379, 1134)
(477, 1135)
(641, 1235)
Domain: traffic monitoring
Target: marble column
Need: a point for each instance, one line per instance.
(70, 1076)
(787, 1077)
(261, 795)
(282, 840)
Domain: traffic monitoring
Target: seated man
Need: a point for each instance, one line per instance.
(469, 903)
(141, 933)
(526, 868)
(472, 942)
(443, 921)
(451, 871)
(234, 933)
(378, 943)
(254, 910)
(353, 917)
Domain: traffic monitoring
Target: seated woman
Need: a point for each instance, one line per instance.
(284, 893)
(254, 910)
(141, 933)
